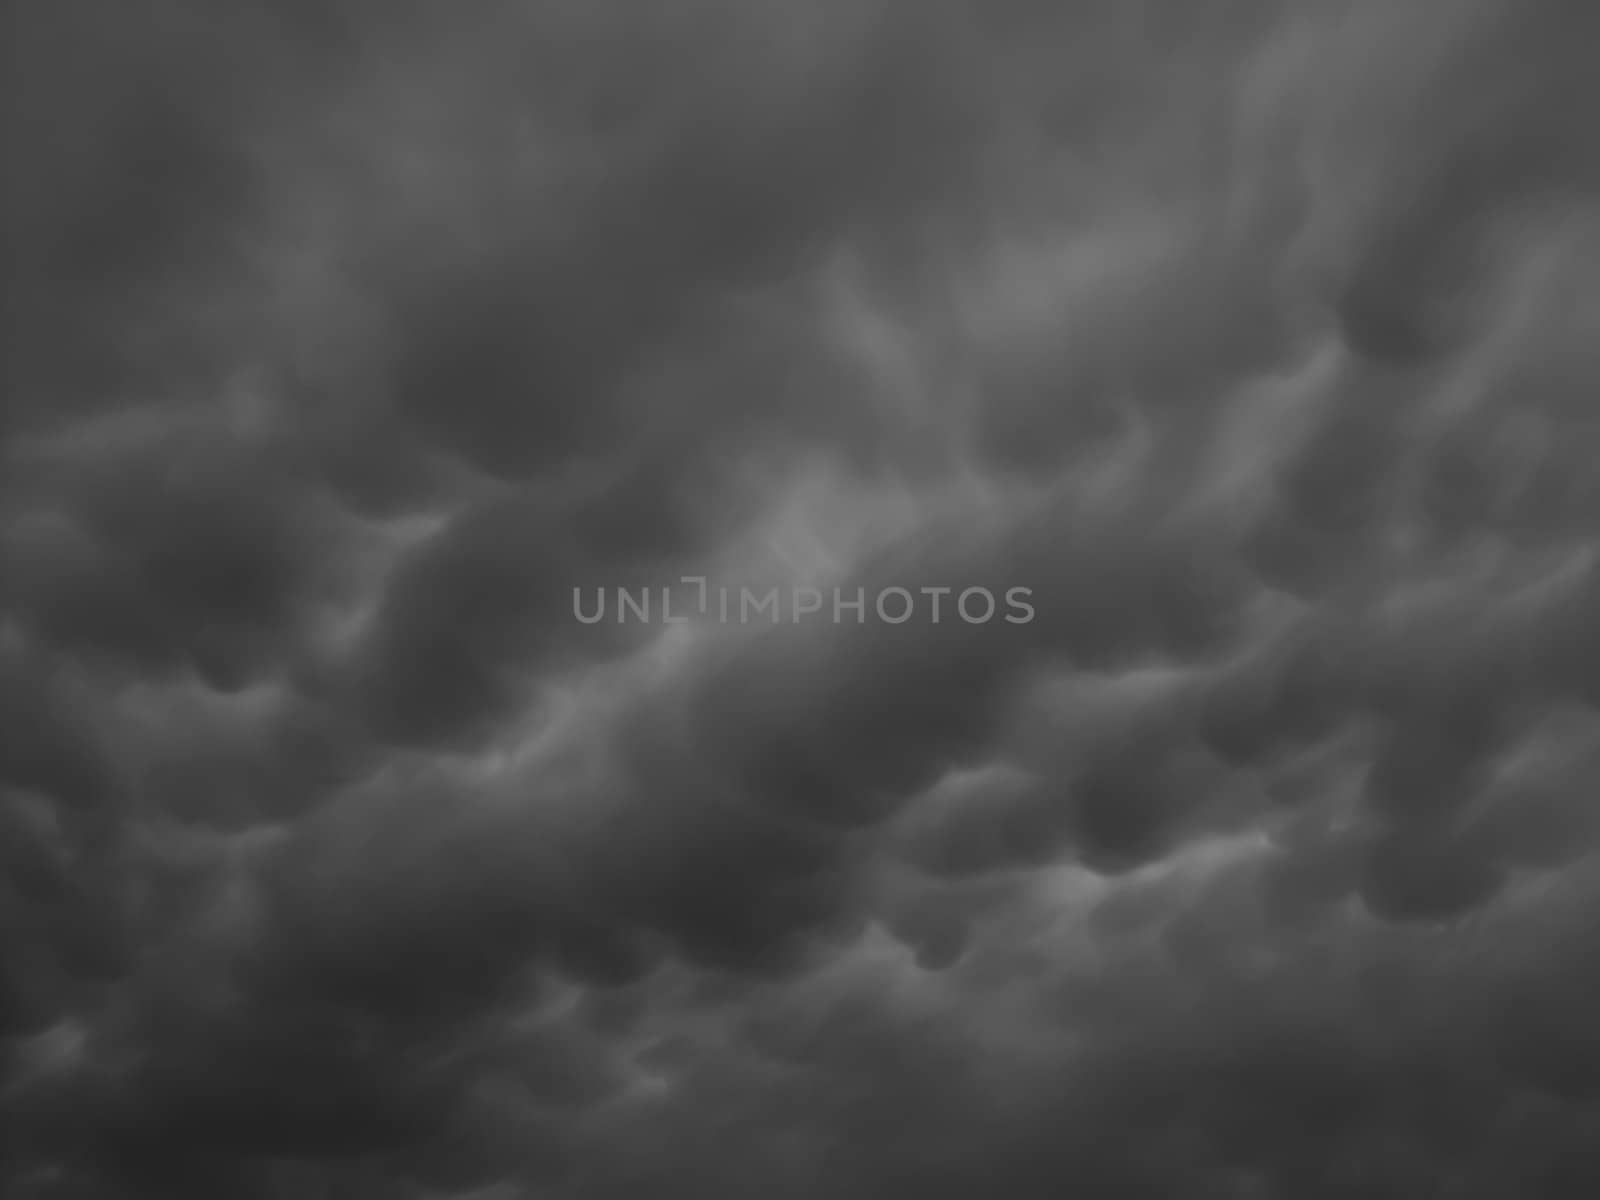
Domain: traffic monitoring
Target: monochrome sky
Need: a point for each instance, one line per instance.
(345, 338)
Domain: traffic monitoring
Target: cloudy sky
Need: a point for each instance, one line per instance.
(1257, 339)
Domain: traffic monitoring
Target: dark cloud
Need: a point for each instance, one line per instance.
(350, 341)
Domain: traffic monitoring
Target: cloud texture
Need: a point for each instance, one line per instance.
(347, 339)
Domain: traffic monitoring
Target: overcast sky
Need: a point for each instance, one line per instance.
(1257, 340)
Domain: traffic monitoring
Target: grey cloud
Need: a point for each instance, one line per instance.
(338, 858)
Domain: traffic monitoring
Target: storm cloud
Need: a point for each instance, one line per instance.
(349, 341)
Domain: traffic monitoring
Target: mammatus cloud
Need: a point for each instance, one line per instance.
(348, 341)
